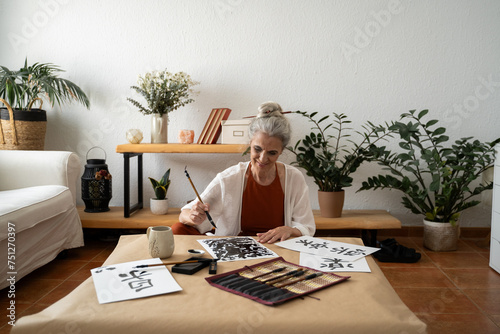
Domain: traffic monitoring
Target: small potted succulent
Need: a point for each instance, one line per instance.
(159, 204)
(325, 156)
(437, 181)
(164, 92)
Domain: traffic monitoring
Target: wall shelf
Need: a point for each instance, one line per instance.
(181, 148)
(137, 150)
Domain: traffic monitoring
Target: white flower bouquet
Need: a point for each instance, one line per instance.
(164, 92)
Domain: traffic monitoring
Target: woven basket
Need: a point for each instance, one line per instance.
(441, 237)
(22, 129)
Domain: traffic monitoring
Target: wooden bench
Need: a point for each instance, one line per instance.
(368, 221)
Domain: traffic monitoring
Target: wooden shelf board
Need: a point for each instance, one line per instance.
(142, 219)
(358, 219)
(114, 219)
(181, 148)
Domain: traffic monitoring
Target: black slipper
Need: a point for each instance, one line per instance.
(392, 251)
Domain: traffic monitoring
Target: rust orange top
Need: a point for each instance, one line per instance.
(262, 207)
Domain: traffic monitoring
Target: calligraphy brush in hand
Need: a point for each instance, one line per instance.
(199, 198)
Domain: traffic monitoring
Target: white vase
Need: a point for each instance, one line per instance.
(159, 129)
(158, 206)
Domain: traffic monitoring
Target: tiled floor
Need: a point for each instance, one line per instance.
(453, 292)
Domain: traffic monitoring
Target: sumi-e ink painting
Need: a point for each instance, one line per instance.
(332, 264)
(123, 281)
(236, 248)
(327, 248)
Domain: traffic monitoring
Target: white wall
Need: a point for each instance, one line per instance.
(372, 60)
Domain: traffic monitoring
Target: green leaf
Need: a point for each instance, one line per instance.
(165, 179)
(430, 216)
(422, 113)
(431, 123)
(436, 183)
(438, 131)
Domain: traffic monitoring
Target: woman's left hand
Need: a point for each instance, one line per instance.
(278, 234)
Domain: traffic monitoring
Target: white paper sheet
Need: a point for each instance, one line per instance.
(236, 248)
(332, 264)
(122, 281)
(327, 248)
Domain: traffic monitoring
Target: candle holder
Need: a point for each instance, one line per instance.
(186, 136)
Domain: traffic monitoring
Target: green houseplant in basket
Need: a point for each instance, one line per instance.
(21, 125)
(159, 204)
(437, 180)
(326, 157)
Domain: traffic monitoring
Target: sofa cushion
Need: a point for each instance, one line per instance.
(27, 207)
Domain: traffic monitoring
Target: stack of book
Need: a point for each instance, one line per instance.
(213, 127)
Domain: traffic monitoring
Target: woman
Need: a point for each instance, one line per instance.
(262, 197)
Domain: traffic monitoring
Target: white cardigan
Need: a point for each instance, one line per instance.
(225, 193)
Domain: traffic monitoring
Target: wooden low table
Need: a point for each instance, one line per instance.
(368, 221)
(365, 303)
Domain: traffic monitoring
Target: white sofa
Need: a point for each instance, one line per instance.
(38, 215)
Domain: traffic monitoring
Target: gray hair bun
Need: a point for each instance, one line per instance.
(271, 121)
(270, 109)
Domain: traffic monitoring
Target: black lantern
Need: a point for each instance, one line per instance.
(96, 184)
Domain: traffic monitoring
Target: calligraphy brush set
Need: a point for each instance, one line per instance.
(274, 281)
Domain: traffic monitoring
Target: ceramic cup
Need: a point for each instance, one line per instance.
(161, 241)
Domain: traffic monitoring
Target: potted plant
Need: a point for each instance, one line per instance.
(329, 161)
(437, 180)
(159, 204)
(21, 125)
(164, 92)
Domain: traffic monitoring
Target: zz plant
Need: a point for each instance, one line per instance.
(437, 181)
(325, 155)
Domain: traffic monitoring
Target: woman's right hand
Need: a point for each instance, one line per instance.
(197, 213)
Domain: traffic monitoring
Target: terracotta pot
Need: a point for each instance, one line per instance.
(441, 237)
(331, 203)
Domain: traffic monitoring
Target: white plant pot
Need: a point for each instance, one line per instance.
(441, 237)
(159, 206)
